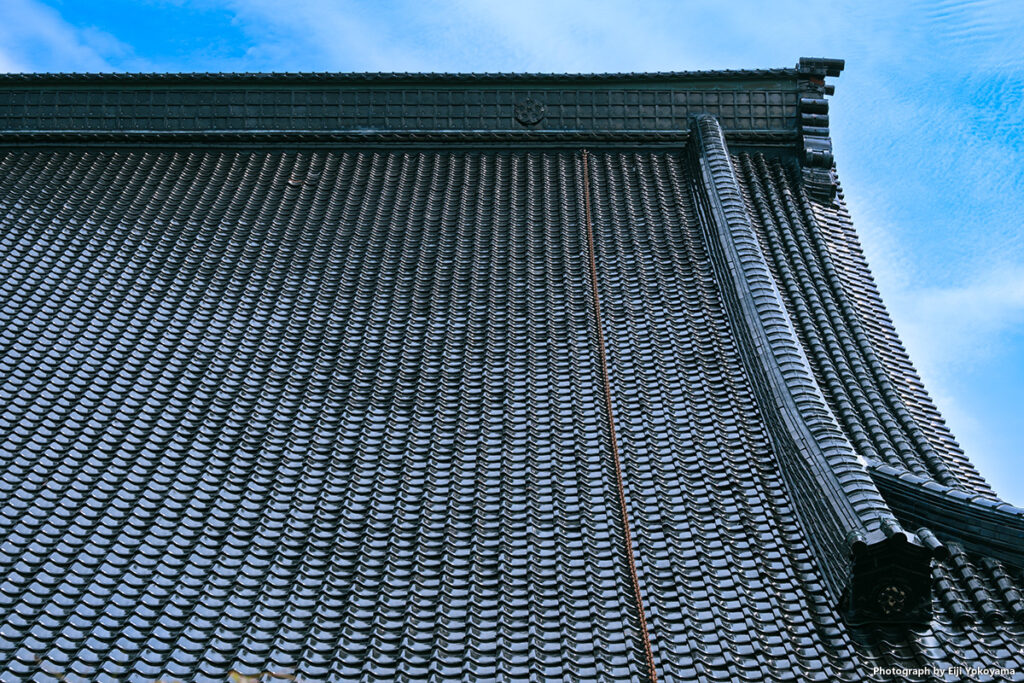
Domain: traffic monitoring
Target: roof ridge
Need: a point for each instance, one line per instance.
(982, 524)
(862, 550)
(346, 76)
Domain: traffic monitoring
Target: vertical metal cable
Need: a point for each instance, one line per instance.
(603, 359)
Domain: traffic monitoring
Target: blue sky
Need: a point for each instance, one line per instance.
(927, 122)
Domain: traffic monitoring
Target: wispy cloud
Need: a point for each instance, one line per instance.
(34, 37)
(964, 324)
(928, 124)
(9, 63)
(529, 35)
(325, 35)
(966, 343)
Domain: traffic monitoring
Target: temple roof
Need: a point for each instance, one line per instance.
(445, 377)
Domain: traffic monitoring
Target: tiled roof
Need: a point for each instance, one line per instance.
(511, 411)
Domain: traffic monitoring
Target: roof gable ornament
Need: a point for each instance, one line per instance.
(529, 111)
(813, 124)
(890, 578)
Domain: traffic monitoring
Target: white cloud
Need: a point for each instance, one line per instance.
(34, 37)
(321, 35)
(9, 64)
(957, 337)
(953, 326)
(529, 35)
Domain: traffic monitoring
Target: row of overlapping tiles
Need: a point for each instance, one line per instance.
(872, 388)
(338, 415)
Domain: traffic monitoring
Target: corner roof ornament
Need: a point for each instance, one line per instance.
(812, 122)
(824, 66)
(890, 577)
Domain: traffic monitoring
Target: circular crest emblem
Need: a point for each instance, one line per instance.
(892, 599)
(529, 111)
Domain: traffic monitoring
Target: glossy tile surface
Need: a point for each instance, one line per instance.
(331, 415)
(340, 416)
